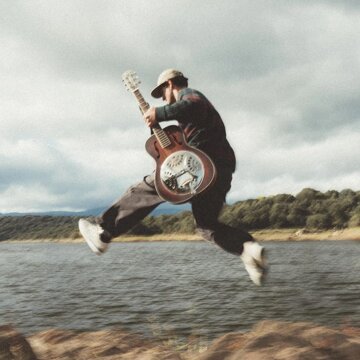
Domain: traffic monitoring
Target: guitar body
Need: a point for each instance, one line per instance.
(182, 171)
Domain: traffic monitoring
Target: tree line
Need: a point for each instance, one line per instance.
(309, 209)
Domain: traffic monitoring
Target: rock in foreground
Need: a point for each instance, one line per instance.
(268, 340)
(13, 345)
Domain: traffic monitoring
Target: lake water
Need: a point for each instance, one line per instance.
(186, 288)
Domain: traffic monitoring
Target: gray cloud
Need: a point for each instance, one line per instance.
(282, 74)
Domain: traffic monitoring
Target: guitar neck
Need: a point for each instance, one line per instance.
(160, 134)
(144, 106)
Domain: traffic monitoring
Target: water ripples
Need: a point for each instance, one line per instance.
(183, 288)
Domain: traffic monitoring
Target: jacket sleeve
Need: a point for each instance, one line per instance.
(190, 108)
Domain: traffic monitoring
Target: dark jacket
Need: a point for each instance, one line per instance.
(201, 124)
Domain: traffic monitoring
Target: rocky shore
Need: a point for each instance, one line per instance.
(266, 341)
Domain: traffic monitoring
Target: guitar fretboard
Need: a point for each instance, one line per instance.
(160, 134)
(144, 106)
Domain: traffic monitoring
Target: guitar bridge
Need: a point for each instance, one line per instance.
(181, 182)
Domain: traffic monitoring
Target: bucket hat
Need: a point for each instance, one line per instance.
(163, 78)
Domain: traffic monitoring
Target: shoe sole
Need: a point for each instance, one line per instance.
(83, 227)
(261, 265)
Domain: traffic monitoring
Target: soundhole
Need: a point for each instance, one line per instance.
(182, 172)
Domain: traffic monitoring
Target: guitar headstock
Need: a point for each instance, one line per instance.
(131, 80)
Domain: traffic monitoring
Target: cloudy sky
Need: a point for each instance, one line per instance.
(283, 74)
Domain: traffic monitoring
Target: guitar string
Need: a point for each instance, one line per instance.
(160, 134)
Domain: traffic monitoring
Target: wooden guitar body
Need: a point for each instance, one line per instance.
(182, 171)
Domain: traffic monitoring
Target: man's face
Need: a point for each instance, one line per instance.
(167, 93)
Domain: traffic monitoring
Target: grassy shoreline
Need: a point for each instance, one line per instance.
(261, 235)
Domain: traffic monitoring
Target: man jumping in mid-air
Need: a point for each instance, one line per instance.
(204, 129)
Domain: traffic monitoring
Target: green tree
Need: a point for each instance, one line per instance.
(355, 217)
(307, 195)
(318, 221)
(297, 215)
(278, 215)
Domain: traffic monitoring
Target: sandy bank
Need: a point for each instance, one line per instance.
(268, 340)
(305, 235)
(261, 235)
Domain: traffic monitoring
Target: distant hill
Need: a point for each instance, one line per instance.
(310, 209)
(169, 209)
(163, 209)
(90, 212)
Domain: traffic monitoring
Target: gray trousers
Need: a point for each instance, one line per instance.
(139, 200)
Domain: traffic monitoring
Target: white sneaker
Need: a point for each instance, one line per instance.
(92, 232)
(254, 260)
